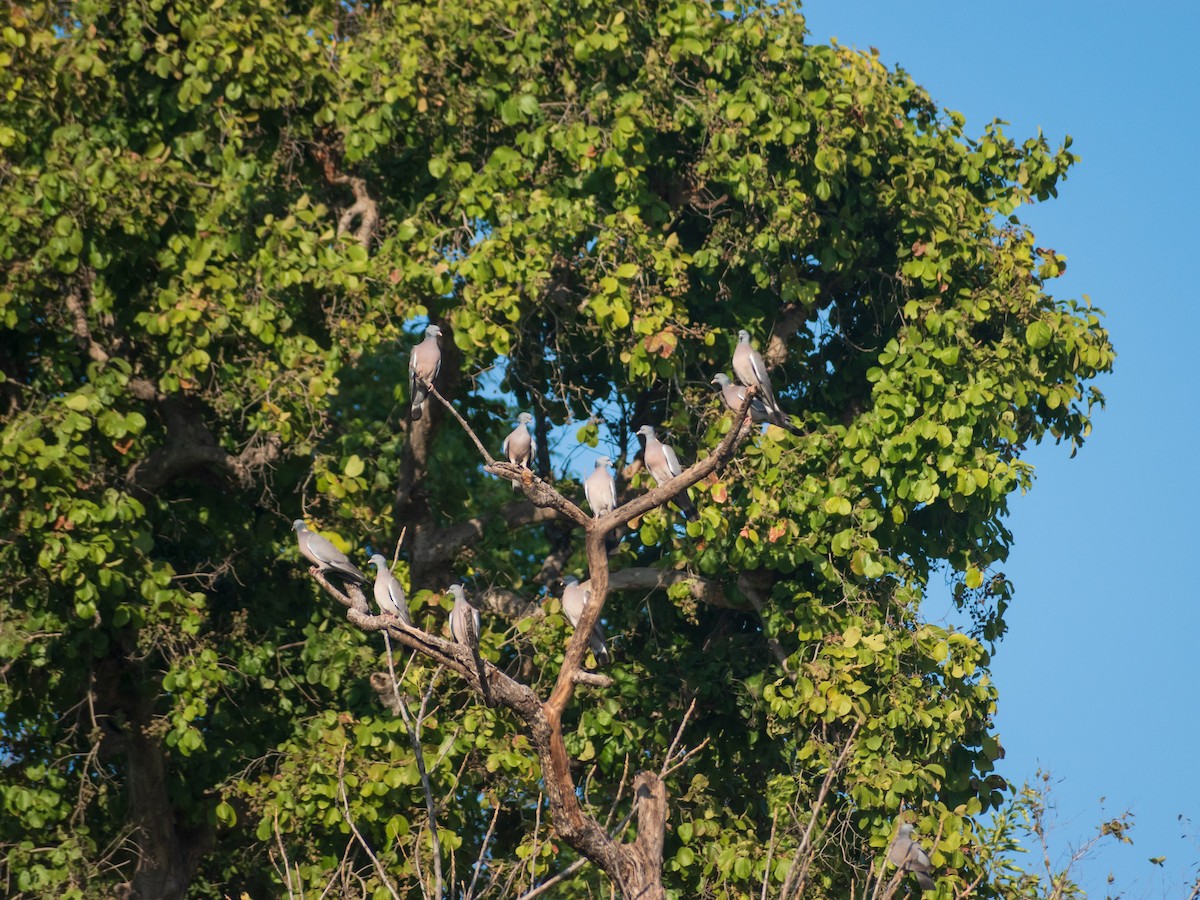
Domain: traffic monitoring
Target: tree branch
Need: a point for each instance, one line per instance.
(636, 867)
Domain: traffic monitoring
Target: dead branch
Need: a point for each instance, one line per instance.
(805, 846)
(379, 869)
(414, 739)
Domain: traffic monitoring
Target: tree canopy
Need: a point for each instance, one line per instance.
(223, 225)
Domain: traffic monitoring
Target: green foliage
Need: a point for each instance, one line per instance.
(195, 352)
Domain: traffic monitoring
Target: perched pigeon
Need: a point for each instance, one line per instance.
(464, 619)
(574, 599)
(751, 370)
(600, 488)
(388, 592)
(734, 395)
(423, 365)
(907, 855)
(520, 446)
(464, 627)
(320, 552)
(664, 465)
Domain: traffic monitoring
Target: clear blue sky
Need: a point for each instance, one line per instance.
(1098, 675)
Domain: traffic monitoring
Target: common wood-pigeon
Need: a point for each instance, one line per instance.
(320, 552)
(424, 363)
(664, 465)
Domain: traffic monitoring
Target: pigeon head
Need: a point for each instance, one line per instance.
(646, 431)
(433, 331)
(378, 561)
(298, 525)
(524, 419)
(721, 380)
(602, 462)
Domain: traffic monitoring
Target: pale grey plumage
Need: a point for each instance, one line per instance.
(388, 592)
(464, 628)
(320, 552)
(424, 363)
(751, 370)
(663, 464)
(905, 853)
(574, 599)
(600, 489)
(520, 446)
(464, 619)
(734, 395)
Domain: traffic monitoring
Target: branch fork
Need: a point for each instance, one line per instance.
(635, 866)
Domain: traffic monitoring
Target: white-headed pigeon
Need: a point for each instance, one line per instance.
(751, 370)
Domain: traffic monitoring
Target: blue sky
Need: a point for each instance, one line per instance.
(1098, 675)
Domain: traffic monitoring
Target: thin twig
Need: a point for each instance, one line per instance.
(379, 869)
(770, 854)
(287, 866)
(482, 850)
(803, 850)
(683, 759)
(579, 863)
(463, 422)
(678, 735)
(414, 739)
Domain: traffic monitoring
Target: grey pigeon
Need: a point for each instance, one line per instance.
(906, 854)
(320, 552)
(464, 627)
(664, 465)
(424, 363)
(464, 619)
(574, 599)
(388, 592)
(600, 488)
(520, 446)
(751, 370)
(734, 395)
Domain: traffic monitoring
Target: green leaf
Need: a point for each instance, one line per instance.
(1038, 334)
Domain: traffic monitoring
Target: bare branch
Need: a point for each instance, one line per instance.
(414, 739)
(750, 592)
(463, 422)
(802, 851)
(675, 740)
(379, 869)
(646, 578)
(482, 850)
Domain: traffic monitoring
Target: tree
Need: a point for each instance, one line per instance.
(223, 226)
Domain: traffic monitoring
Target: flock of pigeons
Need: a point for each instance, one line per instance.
(600, 490)
(519, 448)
